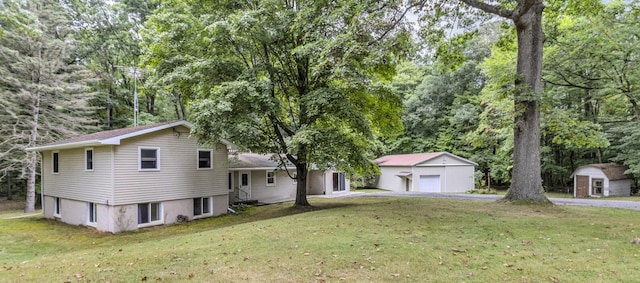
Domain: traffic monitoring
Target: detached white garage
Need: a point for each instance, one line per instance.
(436, 172)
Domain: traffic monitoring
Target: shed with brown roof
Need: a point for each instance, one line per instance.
(437, 172)
(601, 179)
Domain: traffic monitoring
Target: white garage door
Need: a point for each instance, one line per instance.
(430, 183)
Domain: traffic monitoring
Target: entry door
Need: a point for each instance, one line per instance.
(429, 183)
(244, 185)
(582, 186)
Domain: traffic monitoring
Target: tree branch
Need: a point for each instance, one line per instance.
(494, 9)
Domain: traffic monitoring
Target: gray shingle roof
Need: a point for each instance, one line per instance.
(254, 161)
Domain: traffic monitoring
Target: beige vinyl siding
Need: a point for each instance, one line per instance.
(178, 177)
(72, 181)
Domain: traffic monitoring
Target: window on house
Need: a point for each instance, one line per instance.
(230, 181)
(295, 178)
(93, 213)
(149, 159)
(204, 159)
(271, 178)
(56, 206)
(55, 156)
(201, 206)
(149, 212)
(88, 158)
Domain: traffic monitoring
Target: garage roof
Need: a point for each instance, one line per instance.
(415, 159)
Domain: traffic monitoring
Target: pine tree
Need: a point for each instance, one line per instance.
(42, 86)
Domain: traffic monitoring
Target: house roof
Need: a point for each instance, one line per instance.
(414, 159)
(111, 137)
(613, 171)
(243, 160)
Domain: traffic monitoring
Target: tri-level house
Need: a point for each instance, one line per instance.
(134, 177)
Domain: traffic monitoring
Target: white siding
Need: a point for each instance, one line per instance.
(454, 178)
(328, 183)
(620, 188)
(444, 159)
(177, 177)
(459, 179)
(73, 182)
(593, 173)
(389, 181)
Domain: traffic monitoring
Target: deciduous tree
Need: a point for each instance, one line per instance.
(306, 80)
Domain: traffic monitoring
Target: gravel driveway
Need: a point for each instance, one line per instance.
(623, 204)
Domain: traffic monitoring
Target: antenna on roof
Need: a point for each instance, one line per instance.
(135, 71)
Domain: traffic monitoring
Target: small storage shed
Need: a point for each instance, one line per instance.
(601, 179)
(439, 172)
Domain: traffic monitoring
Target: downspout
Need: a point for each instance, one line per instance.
(42, 181)
(113, 191)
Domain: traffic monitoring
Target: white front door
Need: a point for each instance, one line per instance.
(429, 183)
(244, 185)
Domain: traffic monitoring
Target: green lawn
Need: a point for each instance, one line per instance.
(341, 240)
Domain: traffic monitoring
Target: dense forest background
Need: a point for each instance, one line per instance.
(70, 67)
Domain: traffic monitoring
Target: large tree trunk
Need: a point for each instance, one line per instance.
(526, 182)
(32, 160)
(301, 188)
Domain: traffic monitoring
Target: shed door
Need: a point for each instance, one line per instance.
(429, 183)
(582, 186)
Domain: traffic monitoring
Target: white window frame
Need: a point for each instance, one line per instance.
(272, 184)
(209, 207)
(93, 158)
(92, 207)
(198, 159)
(152, 222)
(53, 162)
(140, 149)
(56, 207)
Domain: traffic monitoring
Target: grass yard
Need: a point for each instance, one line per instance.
(367, 239)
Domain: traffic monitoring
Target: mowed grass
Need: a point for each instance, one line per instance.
(366, 239)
